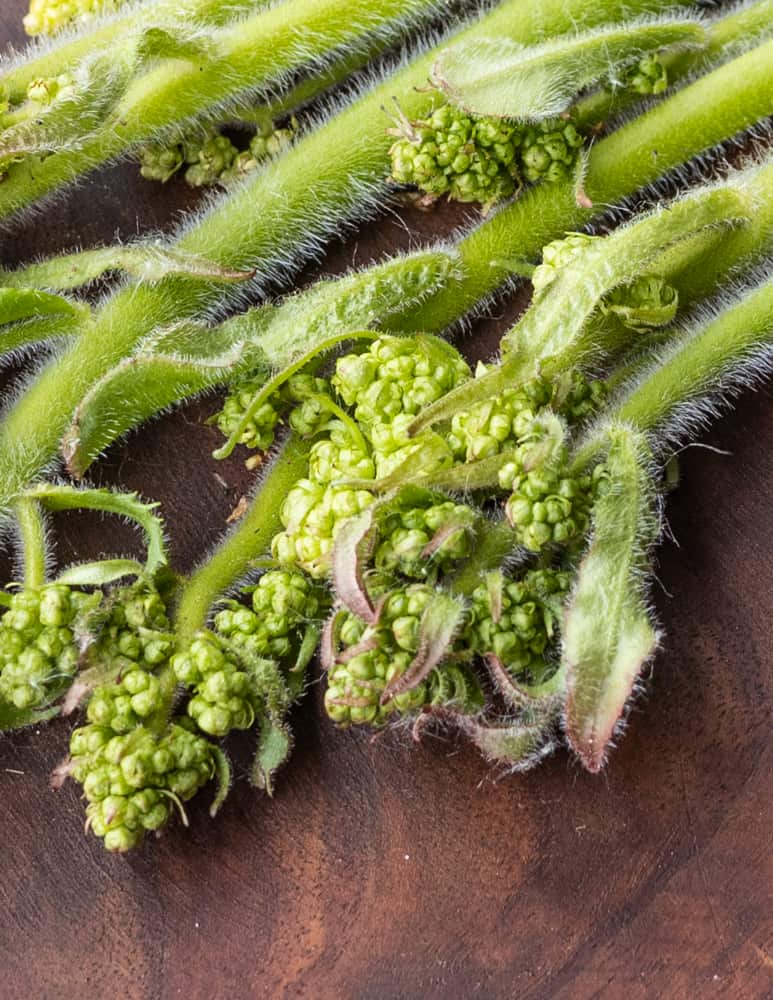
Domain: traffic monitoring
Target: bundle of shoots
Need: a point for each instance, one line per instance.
(426, 587)
(145, 329)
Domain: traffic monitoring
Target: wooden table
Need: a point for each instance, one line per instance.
(385, 871)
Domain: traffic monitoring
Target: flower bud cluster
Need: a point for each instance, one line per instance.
(647, 77)
(547, 505)
(136, 632)
(557, 255)
(38, 649)
(419, 542)
(550, 151)
(386, 386)
(46, 17)
(398, 376)
(224, 693)
(481, 159)
(390, 384)
(212, 158)
(519, 625)
(301, 391)
(373, 655)
(283, 603)
(493, 426)
(131, 780)
(451, 153)
(266, 144)
(311, 516)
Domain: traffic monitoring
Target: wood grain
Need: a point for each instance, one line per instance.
(383, 871)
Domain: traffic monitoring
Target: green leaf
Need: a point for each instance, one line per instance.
(224, 780)
(70, 120)
(549, 336)
(29, 303)
(37, 331)
(63, 497)
(517, 743)
(274, 747)
(16, 718)
(608, 634)
(141, 387)
(503, 79)
(98, 574)
(357, 301)
(439, 624)
(145, 261)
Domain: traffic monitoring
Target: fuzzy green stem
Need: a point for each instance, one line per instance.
(240, 549)
(33, 539)
(235, 61)
(59, 57)
(704, 114)
(284, 210)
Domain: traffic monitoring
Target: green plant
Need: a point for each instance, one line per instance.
(618, 164)
(166, 75)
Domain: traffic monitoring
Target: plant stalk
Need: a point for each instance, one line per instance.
(240, 549)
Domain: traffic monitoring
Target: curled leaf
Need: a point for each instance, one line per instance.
(504, 79)
(151, 262)
(439, 624)
(178, 42)
(608, 635)
(140, 387)
(349, 552)
(328, 644)
(224, 778)
(59, 496)
(274, 747)
(98, 574)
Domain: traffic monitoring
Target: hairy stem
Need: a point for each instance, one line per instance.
(704, 114)
(32, 530)
(281, 214)
(238, 552)
(235, 61)
(53, 58)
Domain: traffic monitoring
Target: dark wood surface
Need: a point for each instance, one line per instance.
(385, 871)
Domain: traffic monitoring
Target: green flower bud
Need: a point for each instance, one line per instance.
(547, 507)
(215, 157)
(648, 76)
(471, 160)
(128, 780)
(159, 163)
(38, 650)
(498, 424)
(549, 151)
(356, 682)
(523, 630)
(443, 529)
